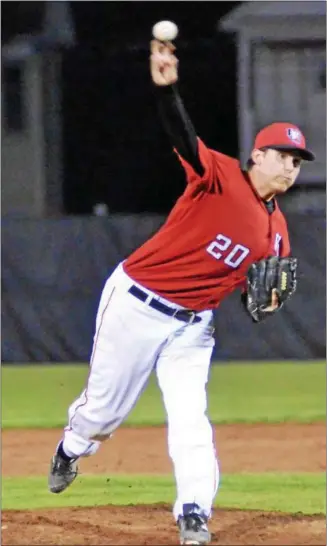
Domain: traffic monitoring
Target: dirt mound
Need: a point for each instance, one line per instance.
(145, 525)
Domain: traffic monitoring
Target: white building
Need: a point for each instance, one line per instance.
(281, 68)
(31, 155)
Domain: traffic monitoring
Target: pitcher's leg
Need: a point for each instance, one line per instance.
(122, 359)
(126, 344)
(74, 443)
(182, 377)
(116, 379)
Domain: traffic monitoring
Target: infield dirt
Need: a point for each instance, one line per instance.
(241, 448)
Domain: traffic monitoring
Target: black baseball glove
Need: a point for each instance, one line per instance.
(265, 276)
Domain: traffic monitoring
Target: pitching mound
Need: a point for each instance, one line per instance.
(141, 525)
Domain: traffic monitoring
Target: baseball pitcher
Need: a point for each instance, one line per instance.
(225, 232)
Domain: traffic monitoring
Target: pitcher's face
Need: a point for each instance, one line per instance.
(279, 168)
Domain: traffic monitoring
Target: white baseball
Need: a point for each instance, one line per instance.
(165, 31)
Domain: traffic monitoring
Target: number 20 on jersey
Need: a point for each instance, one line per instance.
(222, 248)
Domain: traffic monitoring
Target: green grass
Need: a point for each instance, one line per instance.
(38, 396)
(271, 492)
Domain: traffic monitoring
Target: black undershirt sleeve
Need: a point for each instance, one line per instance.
(178, 125)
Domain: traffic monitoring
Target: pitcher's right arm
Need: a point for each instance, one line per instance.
(179, 127)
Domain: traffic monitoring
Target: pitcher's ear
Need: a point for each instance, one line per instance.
(257, 156)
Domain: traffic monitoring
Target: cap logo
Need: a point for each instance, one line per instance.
(294, 135)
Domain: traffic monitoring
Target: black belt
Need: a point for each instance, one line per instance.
(184, 315)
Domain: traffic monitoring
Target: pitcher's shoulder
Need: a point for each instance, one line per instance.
(225, 159)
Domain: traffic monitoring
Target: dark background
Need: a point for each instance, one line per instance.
(115, 150)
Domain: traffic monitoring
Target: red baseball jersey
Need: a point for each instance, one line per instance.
(217, 228)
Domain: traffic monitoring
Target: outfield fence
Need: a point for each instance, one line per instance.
(53, 271)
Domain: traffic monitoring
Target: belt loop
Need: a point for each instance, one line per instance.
(148, 299)
(192, 317)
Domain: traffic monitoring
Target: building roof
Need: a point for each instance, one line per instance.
(255, 9)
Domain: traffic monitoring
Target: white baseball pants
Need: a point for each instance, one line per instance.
(131, 340)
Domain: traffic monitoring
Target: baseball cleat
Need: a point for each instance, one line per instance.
(62, 473)
(193, 527)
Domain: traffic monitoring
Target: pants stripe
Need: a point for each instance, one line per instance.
(69, 427)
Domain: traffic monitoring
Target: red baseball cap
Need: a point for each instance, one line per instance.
(283, 136)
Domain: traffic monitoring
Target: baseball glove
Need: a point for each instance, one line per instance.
(265, 276)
